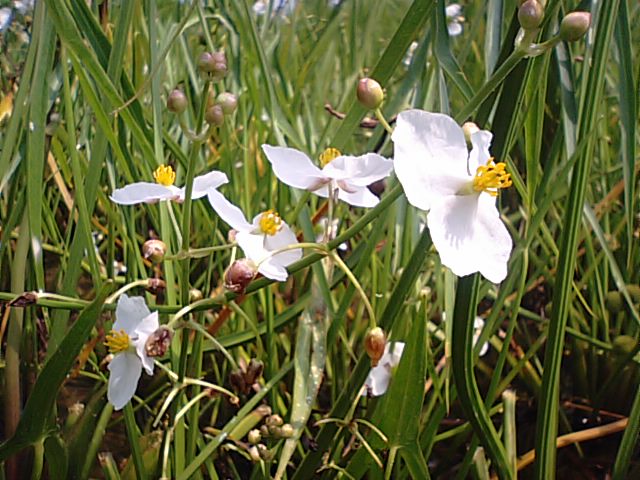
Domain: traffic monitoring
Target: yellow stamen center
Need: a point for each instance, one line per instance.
(270, 222)
(117, 342)
(491, 177)
(165, 175)
(329, 155)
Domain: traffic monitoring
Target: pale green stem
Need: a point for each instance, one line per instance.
(383, 121)
(138, 283)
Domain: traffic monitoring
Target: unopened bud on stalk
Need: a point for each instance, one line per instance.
(214, 115)
(195, 295)
(369, 93)
(159, 342)
(176, 101)
(239, 275)
(206, 62)
(254, 436)
(254, 453)
(530, 14)
(154, 250)
(574, 25)
(469, 128)
(155, 285)
(274, 420)
(219, 65)
(228, 102)
(374, 344)
(286, 431)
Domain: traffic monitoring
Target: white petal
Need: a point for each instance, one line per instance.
(130, 311)
(430, 155)
(283, 238)
(125, 371)
(454, 28)
(479, 155)
(478, 325)
(360, 171)
(204, 183)
(293, 167)
(360, 197)
(379, 377)
(469, 236)
(147, 326)
(144, 192)
(227, 211)
(453, 10)
(252, 245)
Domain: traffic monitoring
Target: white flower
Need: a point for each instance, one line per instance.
(458, 188)
(163, 189)
(266, 234)
(349, 175)
(454, 19)
(6, 15)
(134, 323)
(379, 376)
(284, 7)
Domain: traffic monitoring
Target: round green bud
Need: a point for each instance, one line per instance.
(176, 101)
(228, 102)
(214, 115)
(530, 14)
(613, 301)
(624, 344)
(574, 25)
(369, 93)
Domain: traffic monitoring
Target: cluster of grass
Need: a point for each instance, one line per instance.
(83, 113)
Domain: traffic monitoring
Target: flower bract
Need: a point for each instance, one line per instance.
(164, 189)
(134, 323)
(346, 174)
(379, 376)
(260, 238)
(458, 187)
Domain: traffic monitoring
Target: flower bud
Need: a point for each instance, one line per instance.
(613, 301)
(214, 115)
(624, 345)
(254, 454)
(228, 102)
(264, 452)
(634, 292)
(469, 128)
(374, 344)
(286, 431)
(154, 250)
(254, 371)
(159, 342)
(206, 62)
(236, 379)
(155, 285)
(176, 101)
(195, 295)
(369, 93)
(530, 14)
(574, 25)
(219, 70)
(254, 436)
(274, 420)
(239, 275)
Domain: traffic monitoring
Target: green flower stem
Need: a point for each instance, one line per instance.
(462, 364)
(134, 442)
(629, 439)
(138, 283)
(199, 252)
(383, 121)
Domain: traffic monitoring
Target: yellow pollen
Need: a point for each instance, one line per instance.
(117, 342)
(165, 175)
(329, 155)
(491, 177)
(270, 222)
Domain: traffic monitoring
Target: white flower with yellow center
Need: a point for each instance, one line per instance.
(259, 239)
(346, 174)
(164, 188)
(458, 188)
(379, 376)
(134, 323)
